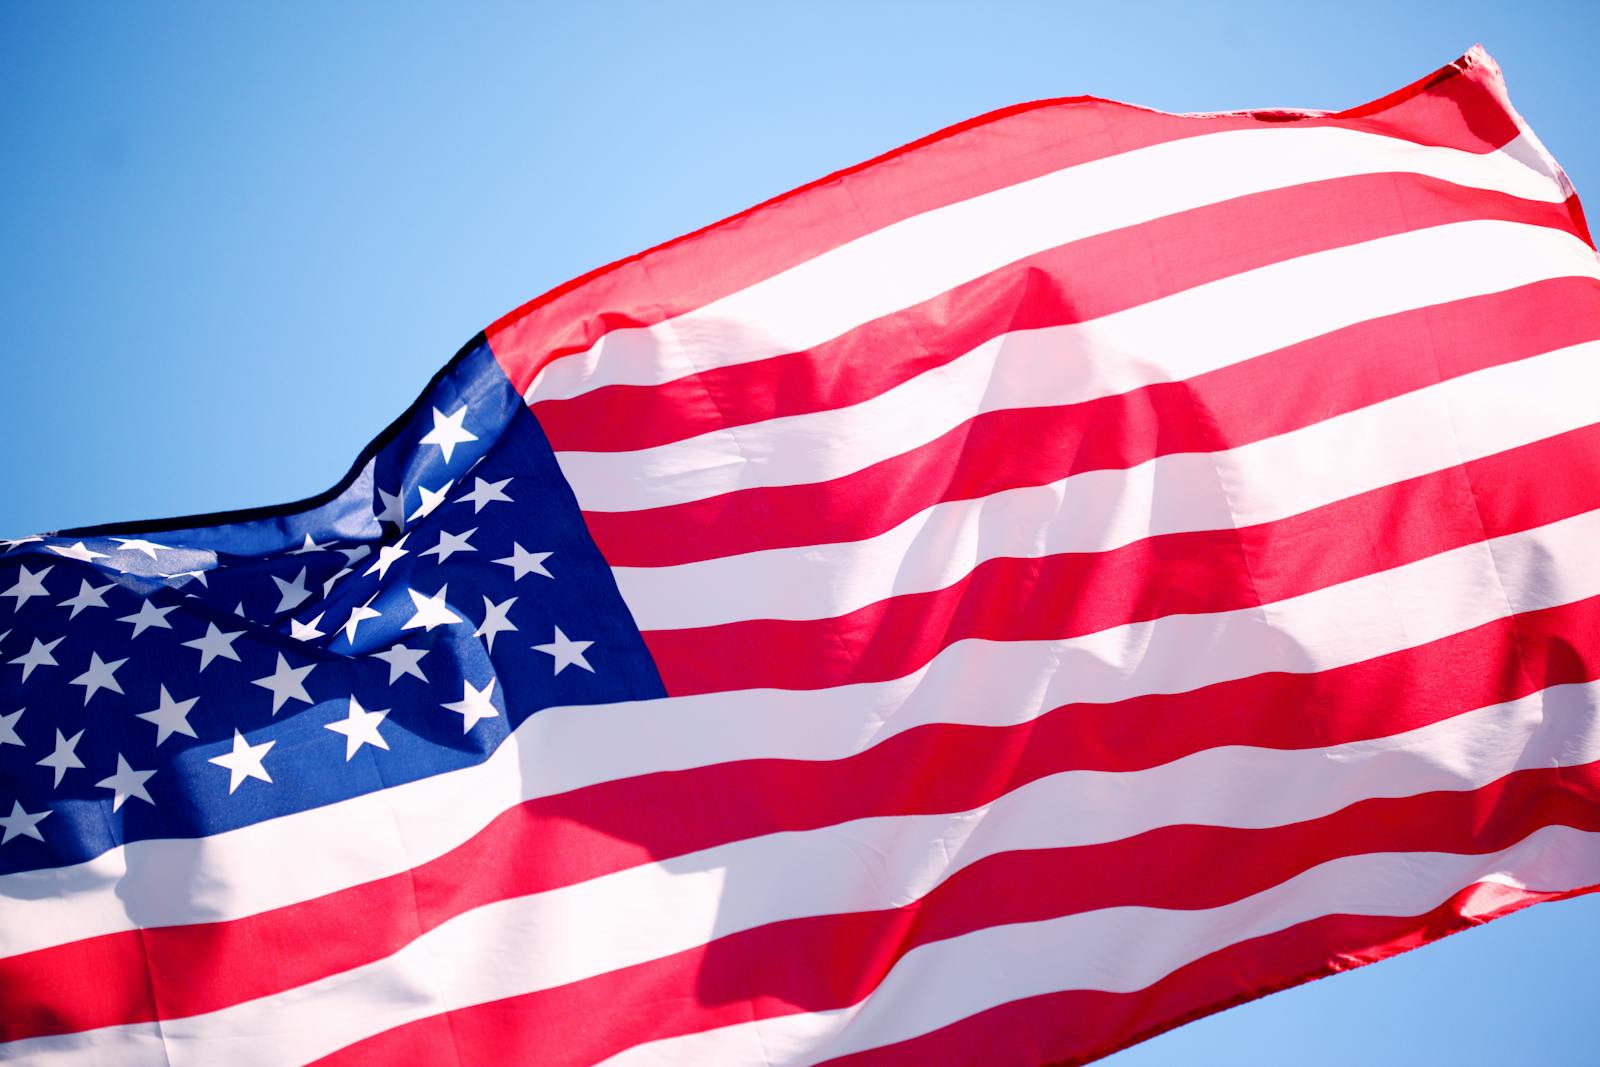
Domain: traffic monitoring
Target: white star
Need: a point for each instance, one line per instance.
(38, 656)
(387, 554)
(286, 683)
(215, 643)
(65, 757)
(308, 545)
(402, 661)
(431, 610)
(394, 507)
(170, 716)
(244, 761)
(448, 432)
(88, 597)
(449, 544)
(306, 631)
(77, 551)
(238, 609)
(485, 493)
(8, 728)
(522, 562)
(358, 615)
(126, 783)
(180, 577)
(21, 824)
(494, 620)
(28, 585)
(475, 704)
(291, 594)
(147, 616)
(13, 542)
(135, 544)
(431, 498)
(359, 728)
(100, 675)
(566, 651)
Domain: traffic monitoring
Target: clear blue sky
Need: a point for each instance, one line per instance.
(237, 239)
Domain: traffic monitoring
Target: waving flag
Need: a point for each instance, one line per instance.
(1062, 578)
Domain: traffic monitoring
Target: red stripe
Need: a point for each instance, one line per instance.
(1455, 107)
(1001, 599)
(1296, 386)
(593, 831)
(1073, 594)
(1073, 283)
(1084, 1025)
(830, 962)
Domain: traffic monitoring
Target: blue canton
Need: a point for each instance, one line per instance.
(183, 678)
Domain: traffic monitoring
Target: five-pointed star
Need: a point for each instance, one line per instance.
(291, 594)
(65, 757)
(431, 498)
(13, 542)
(448, 432)
(449, 544)
(147, 616)
(475, 704)
(89, 596)
(215, 643)
(387, 554)
(360, 727)
(244, 761)
(100, 675)
(522, 562)
(126, 783)
(402, 661)
(566, 652)
(485, 493)
(286, 683)
(8, 728)
(394, 507)
(183, 577)
(21, 824)
(171, 717)
(306, 631)
(431, 610)
(136, 544)
(28, 585)
(358, 615)
(359, 552)
(308, 545)
(77, 551)
(38, 656)
(494, 620)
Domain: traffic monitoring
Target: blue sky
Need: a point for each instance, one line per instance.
(237, 239)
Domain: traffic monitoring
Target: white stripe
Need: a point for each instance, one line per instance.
(1442, 425)
(920, 257)
(518, 946)
(1121, 950)
(255, 868)
(1169, 339)
(1089, 512)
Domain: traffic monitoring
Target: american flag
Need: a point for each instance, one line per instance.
(1064, 577)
